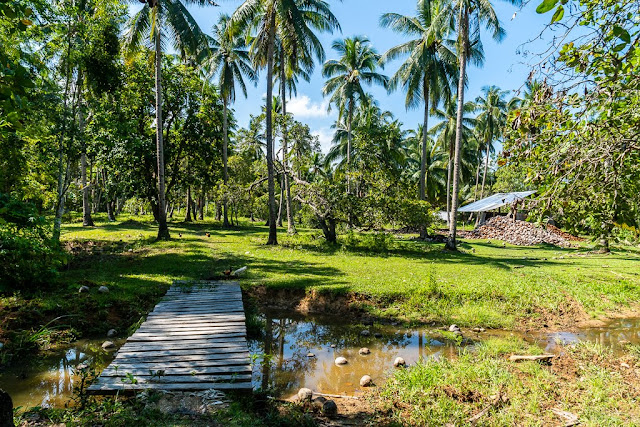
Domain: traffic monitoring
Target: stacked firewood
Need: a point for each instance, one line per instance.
(519, 233)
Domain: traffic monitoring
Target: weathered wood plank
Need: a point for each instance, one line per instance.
(114, 387)
(187, 360)
(169, 366)
(172, 345)
(144, 371)
(180, 353)
(213, 329)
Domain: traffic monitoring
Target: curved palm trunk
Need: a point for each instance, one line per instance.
(464, 28)
(163, 229)
(225, 154)
(486, 167)
(273, 231)
(291, 228)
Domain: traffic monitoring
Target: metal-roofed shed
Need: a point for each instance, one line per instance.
(496, 201)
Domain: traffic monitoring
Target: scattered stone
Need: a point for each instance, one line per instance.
(329, 408)
(366, 381)
(311, 355)
(318, 402)
(83, 289)
(365, 333)
(130, 250)
(453, 328)
(625, 365)
(333, 346)
(111, 333)
(399, 362)
(103, 289)
(377, 335)
(341, 361)
(478, 330)
(364, 350)
(305, 395)
(108, 345)
(457, 333)
(6, 409)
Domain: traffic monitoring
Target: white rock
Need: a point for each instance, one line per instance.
(108, 345)
(311, 355)
(364, 350)
(130, 250)
(333, 346)
(83, 289)
(366, 381)
(341, 361)
(240, 271)
(305, 394)
(399, 362)
(103, 289)
(453, 328)
(625, 365)
(111, 333)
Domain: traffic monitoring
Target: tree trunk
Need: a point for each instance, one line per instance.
(218, 211)
(187, 217)
(201, 206)
(87, 221)
(225, 145)
(464, 27)
(281, 202)
(110, 213)
(475, 191)
(291, 228)
(486, 167)
(450, 160)
(349, 140)
(423, 157)
(163, 229)
(328, 227)
(273, 231)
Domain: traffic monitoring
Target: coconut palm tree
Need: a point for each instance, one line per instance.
(470, 16)
(293, 22)
(228, 60)
(187, 38)
(436, 162)
(492, 118)
(358, 63)
(430, 70)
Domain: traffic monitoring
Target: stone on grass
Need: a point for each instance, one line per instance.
(83, 289)
(453, 328)
(365, 333)
(333, 346)
(305, 395)
(399, 362)
(341, 361)
(111, 333)
(311, 355)
(478, 330)
(457, 333)
(329, 408)
(364, 350)
(366, 381)
(318, 401)
(103, 289)
(108, 345)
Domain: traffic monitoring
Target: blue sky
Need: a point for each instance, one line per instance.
(504, 65)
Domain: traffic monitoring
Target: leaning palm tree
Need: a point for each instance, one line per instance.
(430, 70)
(470, 16)
(228, 60)
(293, 21)
(492, 118)
(358, 63)
(187, 38)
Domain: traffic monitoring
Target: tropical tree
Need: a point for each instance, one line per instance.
(293, 21)
(229, 60)
(435, 179)
(492, 117)
(358, 63)
(470, 16)
(187, 38)
(430, 70)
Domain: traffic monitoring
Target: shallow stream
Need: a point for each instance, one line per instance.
(282, 361)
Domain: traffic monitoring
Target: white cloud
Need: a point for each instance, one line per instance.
(303, 107)
(325, 136)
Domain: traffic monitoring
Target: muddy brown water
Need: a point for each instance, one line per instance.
(280, 357)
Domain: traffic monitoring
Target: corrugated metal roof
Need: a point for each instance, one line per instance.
(494, 202)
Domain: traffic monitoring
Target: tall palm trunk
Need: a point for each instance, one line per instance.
(449, 163)
(291, 228)
(273, 230)
(163, 229)
(225, 153)
(475, 191)
(486, 167)
(423, 159)
(464, 28)
(349, 140)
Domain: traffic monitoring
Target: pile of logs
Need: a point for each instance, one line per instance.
(519, 233)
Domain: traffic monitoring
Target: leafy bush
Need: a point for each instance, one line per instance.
(28, 259)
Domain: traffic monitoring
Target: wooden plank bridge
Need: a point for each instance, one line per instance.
(194, 340)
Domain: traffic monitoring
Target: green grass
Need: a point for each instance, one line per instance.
(482, 285)
(589, 383)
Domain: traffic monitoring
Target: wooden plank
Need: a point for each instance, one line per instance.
(144, 371)
(173, 345)
(212, 317)
(195, 310)
(195, 330)
(191, 324)
(114, 387)
(186, 333)
(153, 364)
(187, 360)
(172, 379)
(180, 353)
(186, 340)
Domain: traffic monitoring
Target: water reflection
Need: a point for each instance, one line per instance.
(49, 381)
(288, 341)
